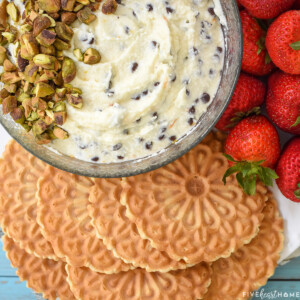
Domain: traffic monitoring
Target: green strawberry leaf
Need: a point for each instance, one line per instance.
(297, 192)
(295, 46)
(267, 59)
(297, 122)
(247, 174)
(229, 157)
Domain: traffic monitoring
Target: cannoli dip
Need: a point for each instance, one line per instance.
(160, 69)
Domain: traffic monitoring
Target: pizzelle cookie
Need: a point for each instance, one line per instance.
(19, 173)
(44, 276)
(138, 284)
(185, 210)
(250, 267)
(64, 219)
(119, 234)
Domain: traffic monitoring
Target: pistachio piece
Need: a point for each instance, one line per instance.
(60, 117)
(33, 116)
(54, 16)
(50, 74)
(60, 133)
(38, 103)
(86, 16)
(43, 90)
(39, 127)
(78, 7)
(60, 93)
(11, 88)
(16, 49)
(26, 103)
(91, 56)
(58, 80)
(46, 38)
(61, 45)
(63, 31)
(8, 104)
(22, 97)
(40, 23)
(26, 28)
(31, 72)
(68, 17)
(12, 11)
(109, 7)
(9, 36)
(53, 22)
(9, 66)
(75, 100)
(68, 70)
(33, 14)
(18, 115)
(48, 50)
(3, 94)
(43, 139)
(67, 5)
(59, 106)
(3, 13)
(45, 61)
(2, 55)
(29, 46)
(50, 6)
(10, 77)
(84, 2)
(21, 62)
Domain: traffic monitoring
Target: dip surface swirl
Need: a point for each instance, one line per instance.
(160, 69)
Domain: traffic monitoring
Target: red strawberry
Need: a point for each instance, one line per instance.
(256, 60)
(266, 9)
(249, 94)
(283, 42)
(288, 170)
(283, 101)
(253, 147)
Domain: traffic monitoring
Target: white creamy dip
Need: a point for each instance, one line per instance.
(160, 69)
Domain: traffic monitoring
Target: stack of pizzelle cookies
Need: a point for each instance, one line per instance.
(173, 233)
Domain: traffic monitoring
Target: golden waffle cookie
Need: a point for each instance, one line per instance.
(64, 219)
(185, 210)
(19, 173)
(44, 276)
(189, 284)
(119, 234)
(250, 267)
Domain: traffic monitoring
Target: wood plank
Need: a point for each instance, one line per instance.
(12, 289)
(289, 271)
(280, 290)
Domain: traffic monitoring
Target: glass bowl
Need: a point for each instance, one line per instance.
(230, 74)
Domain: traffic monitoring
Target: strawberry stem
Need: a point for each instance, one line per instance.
(297, 192)
(295, 46)
(247, 174)
(297, 122)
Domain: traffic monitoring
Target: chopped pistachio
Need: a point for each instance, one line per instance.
(8, 104)
(10, 77)
(31, 72)
(3, 13)
(48, 50)
(18, 115)
(50, 74)
(49, 120)
(50, 114)
(78, 54)
(50, 6)
(27, 87)
(109, 7)
(39, 127)
(68, 70)
(68, 5)
(26, 103)
(11, 88)
(16, 49)
(75, 100)
(58, 80)
(43, 139)
(91, 56)
(53, 22)
(9, 66)
(33, 116)
(3, 94)
(86, 16)
(43, 90)
(59, 106)
(9, 36)
(50, 134)
(12, 11)
(63, 31)
(45, 61)
(26, 28)
(61, 45)
(60, 133)
(68, 17)
(26, 127)
(38, 103)
(2, 55)
(76, 90)
(40, 23)
(21, 62)
(46, 38)
(78, 7)
(33, 14)
(29, 46)
(60, 117)
(22, 97)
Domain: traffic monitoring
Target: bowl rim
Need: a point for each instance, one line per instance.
(95, 168)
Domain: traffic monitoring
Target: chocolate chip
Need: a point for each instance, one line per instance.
(127, 29)
(205, 98)
(195, 50)
(161, 137)
(138, 97)
(164, 129)
(96, 158)
(82, 147)
(186, 81)
(141, 140)
(117, 147)
(155, 115)
(220, 49)
(174, 78)
(119, 1)
(134, 14)
(169, 10)
(154, 43)
(187, 92)
(120, 157)
(172, 138)
(149, 7)
(134, 67)
(126, 131)
(211, 11)
(191, 121)
(157, 83)
(92, 41)
(149, 145)
(145, 93)
(192, 110)
(138, 120)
